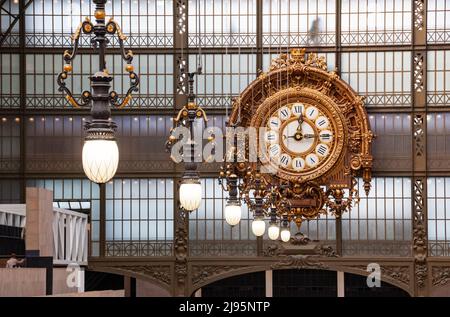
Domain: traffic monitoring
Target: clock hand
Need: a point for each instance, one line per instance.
(300, 122)
(309, 136)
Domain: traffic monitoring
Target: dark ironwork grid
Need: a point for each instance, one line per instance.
(438, 25)
(227, 23)
(384, 215)
(139, 217)
(438, 78)
(365, 22)
(148, 23)
(439, 216)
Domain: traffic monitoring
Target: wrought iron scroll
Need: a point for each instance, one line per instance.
(87, 27)
(69, 55)
(127, 55)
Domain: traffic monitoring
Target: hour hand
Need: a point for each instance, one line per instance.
(309, 136)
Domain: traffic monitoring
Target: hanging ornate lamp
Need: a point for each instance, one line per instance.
(190, 188)
(100, 152)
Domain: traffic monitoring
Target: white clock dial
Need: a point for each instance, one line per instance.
(297, 109)
(322, 122)
(298, 146)
(285, 160)
(322, 150)
(274, 123)
(284, 113)
(312, 160)
(274, 150)
(271, 136)
(326, 136)
(312, 113)
(300, 138)
(298, 164)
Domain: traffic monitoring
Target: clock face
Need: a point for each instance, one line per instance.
(300, 137)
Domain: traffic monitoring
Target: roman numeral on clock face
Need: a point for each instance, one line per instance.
(285, 159)
(322, 150)
(274, 123)
(284, 113)
(274, 150)
(297, 109)
(326, 136)
(312, 160)
(322, 122)
(312, 113)
(271, 136)
(298, 164)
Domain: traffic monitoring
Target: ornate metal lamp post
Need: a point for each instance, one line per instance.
(100, 152)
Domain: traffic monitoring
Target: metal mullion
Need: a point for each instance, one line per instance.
(444, 178)
(163, 181)
(156, 22)
(147, 18)
(250, 13)
(376, 210)
(403, 209)
(205, 217)
(148, 180)
(435, 72)
(358, 220)
(436, 218)
(367, 16)
(367, 215)
(445, 210)
(53, 24)
(385, 207)
(121, 209)
(214, 210)
(130, 219)
(223, 15)
(394, 219)
(147, 56)
(445, 70)
(157, 210)
(139, 192)
(196, 225)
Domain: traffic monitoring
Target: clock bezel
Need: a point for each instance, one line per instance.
(285, 148)
(325, 105)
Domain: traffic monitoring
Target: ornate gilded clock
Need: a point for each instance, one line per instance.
(316, 137)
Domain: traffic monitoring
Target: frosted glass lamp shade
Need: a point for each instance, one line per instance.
(232, 214)
(190, 195)
(274, 231)
(258, 227)
(100, 160)
(285, 235)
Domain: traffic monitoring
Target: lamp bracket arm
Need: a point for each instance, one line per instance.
(113, 28)
(69, 56)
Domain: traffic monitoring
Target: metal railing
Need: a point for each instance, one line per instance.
(70, 237)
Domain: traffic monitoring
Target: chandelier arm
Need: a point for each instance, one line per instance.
(113, 28)
(69, 56)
